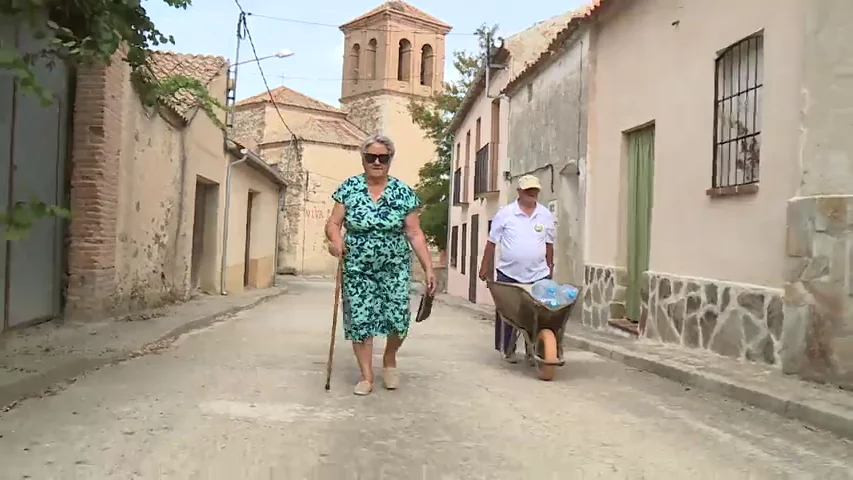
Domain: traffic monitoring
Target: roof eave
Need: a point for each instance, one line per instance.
(442, 27)
(543, 60)
(581, 20)
(255, 161)
(477, 88)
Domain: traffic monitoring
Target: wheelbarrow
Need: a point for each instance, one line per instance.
(541, 326)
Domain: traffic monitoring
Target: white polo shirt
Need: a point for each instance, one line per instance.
(522, 240)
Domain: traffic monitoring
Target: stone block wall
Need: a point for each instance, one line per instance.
(734, 320)
(818, 327)
(604, 295)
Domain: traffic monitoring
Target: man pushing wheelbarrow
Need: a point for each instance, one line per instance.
(524, 229)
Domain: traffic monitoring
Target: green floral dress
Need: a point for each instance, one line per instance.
(378, 262)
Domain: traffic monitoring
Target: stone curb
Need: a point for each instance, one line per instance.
(39, 385)
(838, 422)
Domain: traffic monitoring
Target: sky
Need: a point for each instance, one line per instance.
(315, 69)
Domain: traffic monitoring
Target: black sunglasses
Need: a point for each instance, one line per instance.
(372, 158)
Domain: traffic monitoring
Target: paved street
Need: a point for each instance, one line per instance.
(245, 399)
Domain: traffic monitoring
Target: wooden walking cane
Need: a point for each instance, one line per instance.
(338, 281)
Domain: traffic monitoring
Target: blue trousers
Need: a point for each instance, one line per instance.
(502, 331)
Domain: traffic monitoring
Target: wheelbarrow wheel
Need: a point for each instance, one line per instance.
(546, 347)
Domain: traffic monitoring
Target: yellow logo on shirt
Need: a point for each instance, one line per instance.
(538, 227)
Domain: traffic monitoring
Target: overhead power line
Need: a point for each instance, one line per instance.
(248, 33)
(329, 25)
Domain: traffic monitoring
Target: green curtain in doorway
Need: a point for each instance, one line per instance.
(641, 153)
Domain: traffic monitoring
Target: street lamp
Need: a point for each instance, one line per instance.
(279, 54)
(231, 92)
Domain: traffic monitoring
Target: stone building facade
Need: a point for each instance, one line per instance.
(498, 130)
(688, 237)
(148, 195)
(315, 147)
(393, 54)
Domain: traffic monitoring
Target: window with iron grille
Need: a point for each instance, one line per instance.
(454, 246)
(464, 248)
(457, 186)
(739, 85)
(481, 171)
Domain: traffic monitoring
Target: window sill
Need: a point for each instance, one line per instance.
(487, 194)
(733, 191)
(460, 204)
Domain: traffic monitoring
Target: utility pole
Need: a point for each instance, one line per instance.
(231, 94)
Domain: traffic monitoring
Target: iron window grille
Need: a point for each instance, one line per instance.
(481, 171)
(454, 246)
(457, 186)
(738, 86)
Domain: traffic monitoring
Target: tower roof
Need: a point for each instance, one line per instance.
(399, 8)
(287, 96)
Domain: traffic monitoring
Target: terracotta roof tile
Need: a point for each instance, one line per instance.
(523, 48)
(526, 46)
(331, 130)
(286, 96)
(203, 68)
(581, 16)
(401, 8)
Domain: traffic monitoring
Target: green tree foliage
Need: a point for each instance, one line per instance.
(88, 32)
(434, 118)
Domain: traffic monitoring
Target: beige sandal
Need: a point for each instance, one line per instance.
(363, 388)
(390, 378)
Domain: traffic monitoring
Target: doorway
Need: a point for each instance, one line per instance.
(641, 155)
(472, 268)
(198, 233)
(247, 260)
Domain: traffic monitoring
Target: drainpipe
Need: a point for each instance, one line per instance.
(277, 226)
(224, 266)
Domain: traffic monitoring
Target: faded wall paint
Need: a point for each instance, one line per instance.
(152, 261)
(326, 168)
(818, 326)
(161, 161)
(548, 128)
(654, 62)
(263, 237)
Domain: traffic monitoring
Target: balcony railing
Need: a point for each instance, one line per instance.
(481, 171)
(457, 186)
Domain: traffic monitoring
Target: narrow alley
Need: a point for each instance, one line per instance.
(245, 399)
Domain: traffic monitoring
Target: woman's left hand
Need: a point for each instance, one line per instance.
(430, 283)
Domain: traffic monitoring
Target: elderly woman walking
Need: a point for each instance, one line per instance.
(380, 214)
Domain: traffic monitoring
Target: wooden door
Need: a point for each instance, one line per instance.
(641, 155)
(473, 271)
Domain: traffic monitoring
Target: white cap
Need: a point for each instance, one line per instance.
(527, 182)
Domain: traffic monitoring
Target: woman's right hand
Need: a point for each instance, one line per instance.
(337, 249)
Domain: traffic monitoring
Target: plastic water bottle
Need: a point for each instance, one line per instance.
(567, 294)
(545, 291)
(552, 303)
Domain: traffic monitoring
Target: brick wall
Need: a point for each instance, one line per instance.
(97, 140)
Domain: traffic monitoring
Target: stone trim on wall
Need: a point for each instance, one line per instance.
(604, 294)
(734, 320)
(819, 289)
